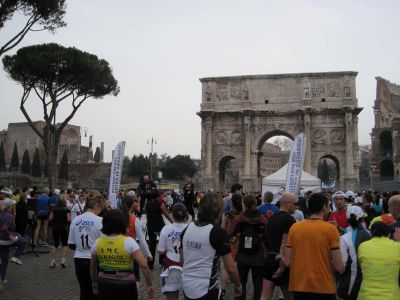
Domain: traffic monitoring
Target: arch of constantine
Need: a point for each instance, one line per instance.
(240, 113)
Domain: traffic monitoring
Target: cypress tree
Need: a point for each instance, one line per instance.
(14, 159)
(2, 158)
(63, 172)
(36, 168)
(26, 163)
(96, 157)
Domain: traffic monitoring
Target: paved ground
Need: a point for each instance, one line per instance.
(34, 280)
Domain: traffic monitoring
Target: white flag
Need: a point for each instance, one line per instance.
(295, 164)
(115, 176)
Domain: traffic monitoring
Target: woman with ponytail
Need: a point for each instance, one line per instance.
(135, 229)
(350, 280)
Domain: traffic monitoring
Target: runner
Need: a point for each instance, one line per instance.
(338, 217)
(229, 221)
(155, 209)
(312, 250)
(61, 218)
(84, 231)
(168, 245)
(380, 263)
(111, 266)
(202, 245)
(275, 272)
(350, 280)
(267, 209)
(79, 207)
(42, 216)
(135, 229)
(252, 249)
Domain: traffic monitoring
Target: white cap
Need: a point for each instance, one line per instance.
(358, 200)
(350, 194)
(339, 194)
(57, 191)
(131, 193)
(8, 203)
(354, 210)
(6, 191)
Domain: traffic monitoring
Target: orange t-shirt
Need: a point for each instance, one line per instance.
(311, 242)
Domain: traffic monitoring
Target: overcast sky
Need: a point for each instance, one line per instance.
(159, 49)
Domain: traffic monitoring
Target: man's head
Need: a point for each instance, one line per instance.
(46, 190)
(289, 202)
(318, 204)
(268, 197)
(7, 204)
(394, 206)
(308, 194)
(146, 178)
(367, 199)
(237, 188)
(340, 200)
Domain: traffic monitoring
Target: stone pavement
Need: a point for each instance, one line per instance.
(34, 280)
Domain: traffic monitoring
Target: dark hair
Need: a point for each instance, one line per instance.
(235, 187)
(269, 196)
(379, 229)
(317, 202)
(210, 208)
(250, 202)
(179, 212)
(237, 202)
(353, 222)
(154, 194)
(69, 191)
(126, 205)
(368, 197)
(113, 222)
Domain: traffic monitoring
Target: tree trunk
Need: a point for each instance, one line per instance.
(50, 143)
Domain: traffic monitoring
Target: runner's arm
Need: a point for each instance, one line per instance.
(337, 260)
(232, 271)
(71, 242)
(286, 258)
(93, 270)
(138, 257)
(142, 241)
(165, 213)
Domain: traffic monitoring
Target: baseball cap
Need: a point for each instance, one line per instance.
(8, 203)
(354, 210)
(131, 193)
(350, 194)
(57, 191)
(358, 200)
(339, 194)
(6, 191)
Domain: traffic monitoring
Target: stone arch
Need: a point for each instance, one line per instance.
(337, 163)
(222, 168)
(386, 170)
(385, 143)
(262, 140)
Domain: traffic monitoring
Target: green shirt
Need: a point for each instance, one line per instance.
(380, 264)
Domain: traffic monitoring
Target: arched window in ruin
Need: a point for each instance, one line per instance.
(385, 143)
(387, 170)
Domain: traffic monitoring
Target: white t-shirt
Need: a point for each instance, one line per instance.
(129, 244)
(83, 232)
(170, 240)
(77, 209)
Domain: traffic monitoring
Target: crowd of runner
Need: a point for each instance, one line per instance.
(342, 245)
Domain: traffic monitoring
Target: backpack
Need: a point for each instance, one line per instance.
(250, 240)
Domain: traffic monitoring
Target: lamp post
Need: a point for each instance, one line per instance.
(151, 143)
(83, 130)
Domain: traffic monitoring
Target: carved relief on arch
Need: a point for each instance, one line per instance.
(236, 138)
(336, 136)
(319, 136)
(220, 138)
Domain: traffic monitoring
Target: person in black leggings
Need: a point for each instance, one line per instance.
(155, 208)
(188, 195)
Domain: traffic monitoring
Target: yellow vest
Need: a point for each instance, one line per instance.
(112, 254)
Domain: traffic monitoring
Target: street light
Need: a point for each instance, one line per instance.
(151, 143)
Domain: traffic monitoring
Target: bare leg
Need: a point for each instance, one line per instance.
(267, 290)
(37, 230)
(45, 228)
(285, 291)
(64, 251)
(53, 252)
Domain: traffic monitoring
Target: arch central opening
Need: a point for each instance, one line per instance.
(273, 152)
(329, 172)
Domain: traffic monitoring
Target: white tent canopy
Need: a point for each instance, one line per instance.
(276, 182)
